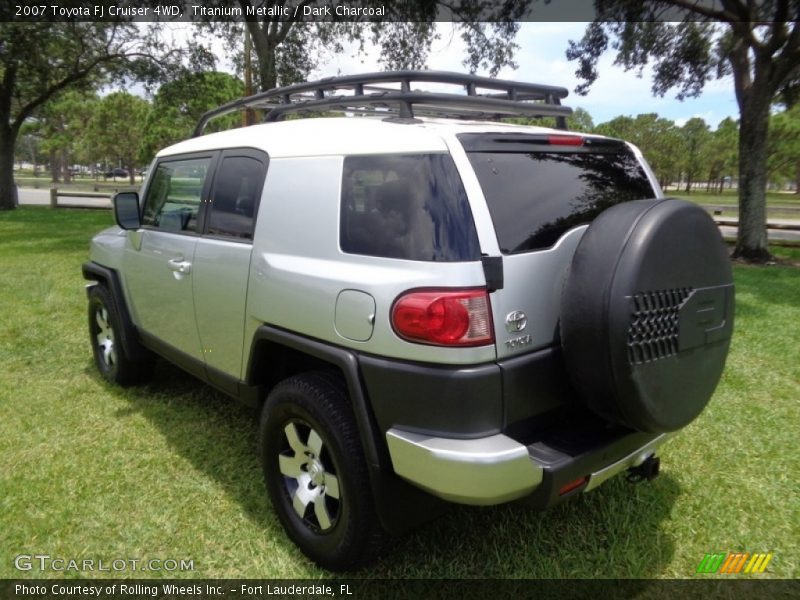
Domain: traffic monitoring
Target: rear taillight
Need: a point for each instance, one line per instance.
(444, 317)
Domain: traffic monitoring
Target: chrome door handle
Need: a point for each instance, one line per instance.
(180, 266)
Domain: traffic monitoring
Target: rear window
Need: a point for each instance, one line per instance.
(412, 207)
(535, 197)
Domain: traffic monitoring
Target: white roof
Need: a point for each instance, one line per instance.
(344, 135)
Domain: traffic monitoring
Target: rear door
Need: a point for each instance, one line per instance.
(222, 262)
(159, 261)
(542, 191)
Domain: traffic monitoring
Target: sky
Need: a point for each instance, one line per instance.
(541, 59)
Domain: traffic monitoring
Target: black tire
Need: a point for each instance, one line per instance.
(309, 441)
(121, 363)
(647, 314)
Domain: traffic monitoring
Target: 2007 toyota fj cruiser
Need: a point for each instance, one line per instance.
(426, 304)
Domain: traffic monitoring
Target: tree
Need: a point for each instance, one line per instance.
(286, 51)
(695, 137)
(62, 124)
(784, 145)
(658, 139)
(116, 129)
(722, 153)
(178, 105)
(579, 120)
(757, 42)
(29, 146)
(38, 60)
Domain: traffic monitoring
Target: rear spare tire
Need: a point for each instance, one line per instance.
(647, 314)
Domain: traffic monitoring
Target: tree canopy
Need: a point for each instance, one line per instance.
(689, 43)
(38, 61)
(286, 51)
(178, 105)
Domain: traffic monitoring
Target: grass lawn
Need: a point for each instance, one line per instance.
(169, 470)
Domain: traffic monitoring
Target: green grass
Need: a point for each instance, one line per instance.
(169, 470)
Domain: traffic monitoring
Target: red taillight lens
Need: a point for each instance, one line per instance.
(444, 318)
(565, 140)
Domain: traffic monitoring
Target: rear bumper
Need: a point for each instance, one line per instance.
(496, 469)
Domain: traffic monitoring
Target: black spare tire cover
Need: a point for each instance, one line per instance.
(647, 313)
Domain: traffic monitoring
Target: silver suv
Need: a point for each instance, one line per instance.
(426, 304)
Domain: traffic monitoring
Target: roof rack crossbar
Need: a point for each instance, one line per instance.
(369, 91)
(428, 102)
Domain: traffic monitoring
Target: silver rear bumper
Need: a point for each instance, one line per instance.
(485, 471)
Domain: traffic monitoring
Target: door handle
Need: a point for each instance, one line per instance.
(178, 265)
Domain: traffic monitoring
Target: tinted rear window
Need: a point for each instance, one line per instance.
(535, 197)
(412, 207)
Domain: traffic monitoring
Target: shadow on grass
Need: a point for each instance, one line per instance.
(616, 531)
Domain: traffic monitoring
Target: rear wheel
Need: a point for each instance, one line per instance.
(116, 363)
(315, 471)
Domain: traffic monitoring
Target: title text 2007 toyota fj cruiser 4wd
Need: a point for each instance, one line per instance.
(426, 304)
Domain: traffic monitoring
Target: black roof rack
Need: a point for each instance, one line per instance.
(390, 94)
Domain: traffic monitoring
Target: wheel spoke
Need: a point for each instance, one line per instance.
(101, 339)
(331, 486)
(299, 503)
(321, 510)
(107, 354)
(315, 442)
(290, 466)
(294, 440)
(101, 316)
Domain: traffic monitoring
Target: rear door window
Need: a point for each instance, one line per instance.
(535, 197)
(236, 192)
(411, 207)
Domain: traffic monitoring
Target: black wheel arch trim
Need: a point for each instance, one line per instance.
(399, 505)
(93, 271)
(347, 361)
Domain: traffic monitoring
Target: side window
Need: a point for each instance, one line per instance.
(237, 188)
(412, 207)
(174, 194)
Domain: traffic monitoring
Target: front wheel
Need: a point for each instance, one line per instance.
(316, 473)
(113, 360)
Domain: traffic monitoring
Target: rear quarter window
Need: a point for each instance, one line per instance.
(411, 207)
(535, 197)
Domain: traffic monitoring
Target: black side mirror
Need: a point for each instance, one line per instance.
(126, 210)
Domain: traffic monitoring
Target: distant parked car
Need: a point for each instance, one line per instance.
(118, 172)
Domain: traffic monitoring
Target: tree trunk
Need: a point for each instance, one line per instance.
(688, 184)
(65, 166)
(751, 243)
(8, 191)
(264, 46)
(797, 178)
(55, 167)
